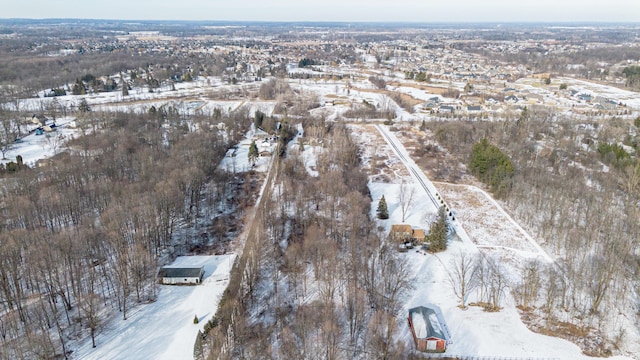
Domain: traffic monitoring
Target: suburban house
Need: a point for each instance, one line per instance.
(446, 109)
(429, 331)
(401, 233)
(474, 108)
(406, 236)
(181, 275)
(418, 236)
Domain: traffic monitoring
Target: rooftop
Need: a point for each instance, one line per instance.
(182, 272)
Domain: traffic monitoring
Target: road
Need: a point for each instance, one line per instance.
(422, 180)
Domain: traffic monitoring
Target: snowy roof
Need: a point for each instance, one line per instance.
(426, 324)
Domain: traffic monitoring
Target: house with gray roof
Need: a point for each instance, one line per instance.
(181, 275)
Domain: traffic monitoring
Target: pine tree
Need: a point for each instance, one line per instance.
(79, 88)
(84, 106)
(125, 88)
(438, 232)
(253, 153)
(382, 211)
(195, 319)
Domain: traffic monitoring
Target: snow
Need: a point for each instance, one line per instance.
(419, 325)
(237, 159)
(35, 147)
(165, 329)
(473, 332)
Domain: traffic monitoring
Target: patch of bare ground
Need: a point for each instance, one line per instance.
(382, 164)
(401, 97)
(488, 307)
(590, 340)
(436, 161)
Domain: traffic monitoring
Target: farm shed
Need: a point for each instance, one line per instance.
(181, 275)
(428, 330)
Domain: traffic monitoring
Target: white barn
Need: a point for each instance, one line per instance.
(181, 275)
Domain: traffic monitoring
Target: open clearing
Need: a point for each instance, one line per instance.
(164, 329)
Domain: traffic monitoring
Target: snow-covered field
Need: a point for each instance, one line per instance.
(35, 147)
(475, 332)
(164, 329)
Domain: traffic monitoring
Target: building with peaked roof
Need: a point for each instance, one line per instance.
(429, 331)
(181, 275)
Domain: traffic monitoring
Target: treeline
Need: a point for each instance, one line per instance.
(82, 237)
(30, 73)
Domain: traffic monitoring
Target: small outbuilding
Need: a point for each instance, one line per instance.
(181, 275)
(429, 331)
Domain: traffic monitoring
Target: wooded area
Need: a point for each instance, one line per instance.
(87, 232)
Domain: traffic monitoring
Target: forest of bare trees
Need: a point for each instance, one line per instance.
(321, 281)
(85, 234)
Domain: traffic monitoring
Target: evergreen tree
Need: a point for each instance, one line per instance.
(258, 118)
(195, 319)
(491, 166)
(84, 106)
(79, 88)
(125, 87)
(438, 232)
(421, 76)
(382, 211)
(253, 153)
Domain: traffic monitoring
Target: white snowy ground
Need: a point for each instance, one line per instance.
(35, 147)
(238, 160)
(473, 331)
(164, 329)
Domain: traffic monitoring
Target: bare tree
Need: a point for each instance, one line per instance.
(463, 276)
(405, 198)
(9, 131)
(54, 141)
(529, 287)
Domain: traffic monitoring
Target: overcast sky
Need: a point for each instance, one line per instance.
(332, 10)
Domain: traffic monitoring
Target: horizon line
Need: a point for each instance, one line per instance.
(497, 22)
